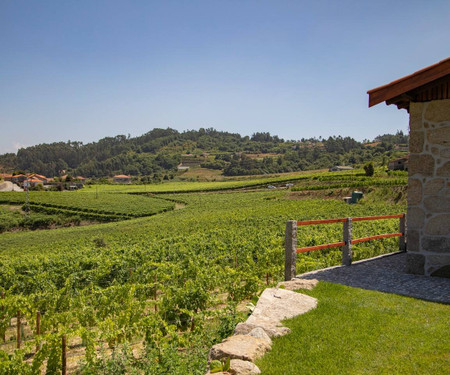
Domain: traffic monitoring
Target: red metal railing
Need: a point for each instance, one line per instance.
(291, 249)
(399, 216)
(320, 247)
(324, 221)
(377, 237)
(353, 241)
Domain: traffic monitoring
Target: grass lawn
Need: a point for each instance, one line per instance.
(355, 331)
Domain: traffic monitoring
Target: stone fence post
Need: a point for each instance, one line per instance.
(290, 251)
(347, 252)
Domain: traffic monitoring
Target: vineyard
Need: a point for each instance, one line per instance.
(101, 207)
(152, 294)
(230, 183)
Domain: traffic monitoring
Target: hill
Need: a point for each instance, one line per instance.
(158, 154)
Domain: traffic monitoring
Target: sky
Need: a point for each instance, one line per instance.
(82, 70)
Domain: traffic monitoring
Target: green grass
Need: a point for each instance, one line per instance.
(355, 331)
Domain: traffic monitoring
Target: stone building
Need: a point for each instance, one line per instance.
(425, 94)
(400, 164)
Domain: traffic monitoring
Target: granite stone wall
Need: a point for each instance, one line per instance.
(428, 234)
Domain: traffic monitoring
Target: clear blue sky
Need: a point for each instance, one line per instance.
(86, 69)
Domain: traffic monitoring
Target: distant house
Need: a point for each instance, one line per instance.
(6, 177)
(400, 164)
(39, 177)
(19, 178)
(33, 182)
(338, 168)
(122, 179)
(78, 179)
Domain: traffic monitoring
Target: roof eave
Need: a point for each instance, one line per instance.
(408, 83)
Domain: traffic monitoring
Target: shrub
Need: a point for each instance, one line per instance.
(369, 169)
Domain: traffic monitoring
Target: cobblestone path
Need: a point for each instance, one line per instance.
(386, 273)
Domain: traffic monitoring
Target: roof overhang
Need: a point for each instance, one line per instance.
(430, 83)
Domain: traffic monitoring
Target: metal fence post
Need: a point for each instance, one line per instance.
(402, 229)
(347, 248)
(290, 251)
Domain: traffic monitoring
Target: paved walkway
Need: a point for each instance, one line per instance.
(386, 273)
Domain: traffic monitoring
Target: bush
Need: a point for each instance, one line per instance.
(37, 221)
(369, 169)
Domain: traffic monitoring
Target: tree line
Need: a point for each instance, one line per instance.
(159, 152)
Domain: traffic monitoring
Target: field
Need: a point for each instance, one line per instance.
(158, 290)
(97, 206)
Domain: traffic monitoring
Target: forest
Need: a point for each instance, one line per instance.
(158, 153)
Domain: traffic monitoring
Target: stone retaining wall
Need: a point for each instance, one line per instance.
(254, 337)
(428, 216)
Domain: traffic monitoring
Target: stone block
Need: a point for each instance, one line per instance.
(240, 367)
(416, 217)
(444, 171)
(436, 244)
(439, 260)
(438, 111)
(437, 203)
(438, 225)
(296, 284)
(439, 136)
(433, 187)
(440, 271)
(275, 305)
(272, 330)
(243, 347)
(421, 164)
(413, 240)
(259, 333)
(445, 153)
(414, 191)
(416, 141)
(438, 265)
(415, 116)
(415, 263)
(243, 328)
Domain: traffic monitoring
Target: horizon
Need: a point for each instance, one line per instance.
(82, 70)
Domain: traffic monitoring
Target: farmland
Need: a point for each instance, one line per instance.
(167, 286)
(104, 207)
